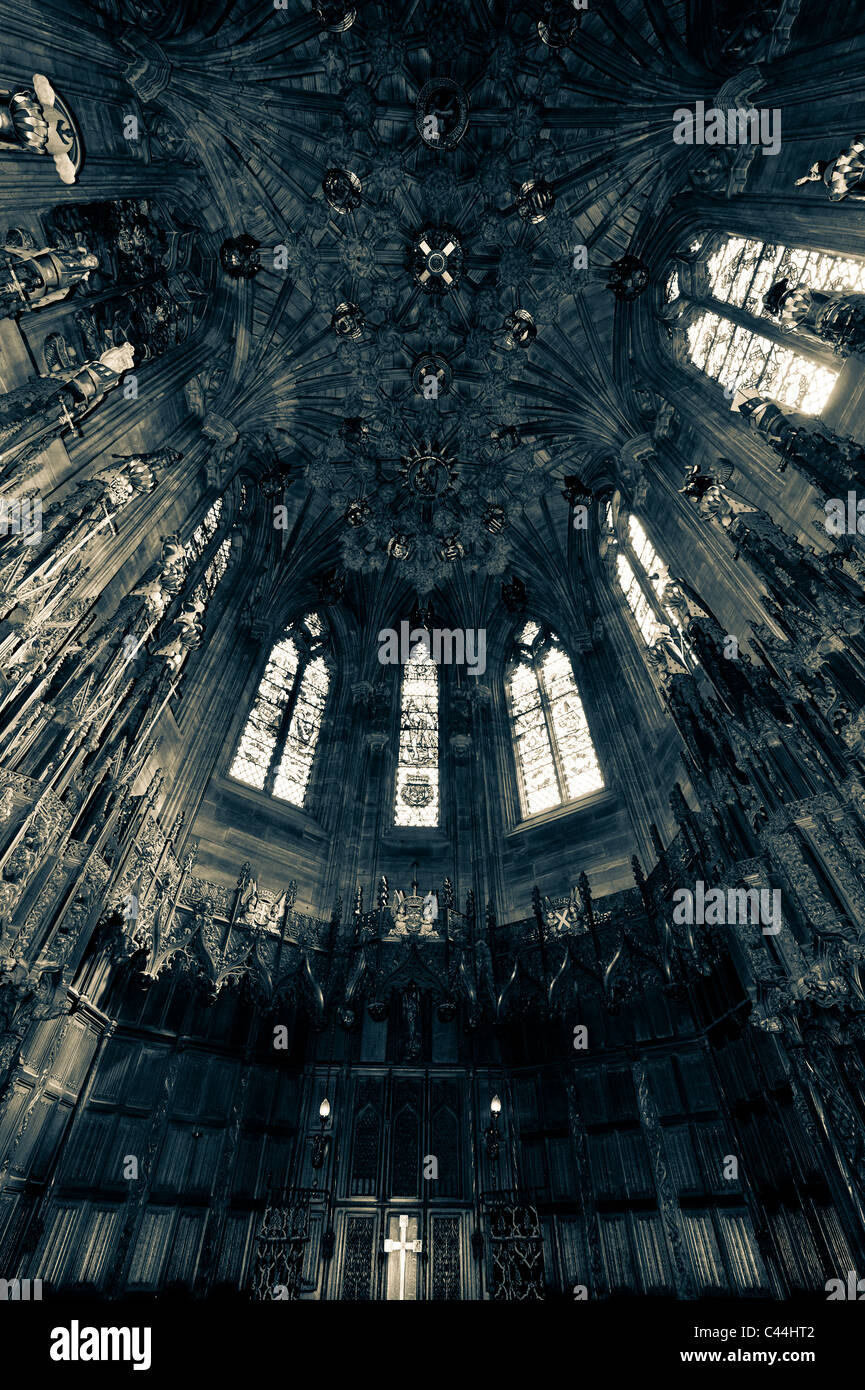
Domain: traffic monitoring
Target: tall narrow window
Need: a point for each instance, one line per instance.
(733, 274)
(636, 600)
(277, 746)
(643, 578)
(555, 756)
(417, 774)
(214, 572)
(204, 532)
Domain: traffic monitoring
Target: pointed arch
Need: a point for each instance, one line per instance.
(553, 750)
(276, 749)
(416, 799)
(643, 578)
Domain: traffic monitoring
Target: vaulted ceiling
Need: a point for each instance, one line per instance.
(438, 192)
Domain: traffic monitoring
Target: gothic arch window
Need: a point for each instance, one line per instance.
(714, 297)
(215, 571)
(417, 773)
(553, 749)
(643, 578)
(277, 747)
(196, 546)
(204, 532)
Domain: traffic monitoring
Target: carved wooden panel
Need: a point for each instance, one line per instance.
(405, 1133)
(188, 1234)
(366, 1136)
(281, 1248)
(747, 1273)
(516, 1251)
(151, 1248)
(92, 1257)
(446, 1257)
(358, 1259)
(446, 1110)
(652, 1255)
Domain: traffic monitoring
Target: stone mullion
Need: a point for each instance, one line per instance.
(361, 815)
(284, 727)
(621, 632)
(495, 769)
(811, 348)
(340, 873)
(462, 762)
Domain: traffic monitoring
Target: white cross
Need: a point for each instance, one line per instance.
(402, 1245)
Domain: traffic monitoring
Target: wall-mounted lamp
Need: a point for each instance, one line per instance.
(322, 1139)
(492, 1132)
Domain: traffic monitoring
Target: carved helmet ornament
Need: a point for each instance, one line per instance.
(558, 21)
(342, 189)
(335, 15)
(535, 199)
(38, 119)
(348, 321)
(239, 257)
(521, 329)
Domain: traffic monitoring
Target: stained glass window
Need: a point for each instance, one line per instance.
(204, 532)
(648, 569)
(738, 358)
(214, 572)
(654, 567)
(276, 749)
(554, 752)
(417, 775)
(740, 272)
(636, 600)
